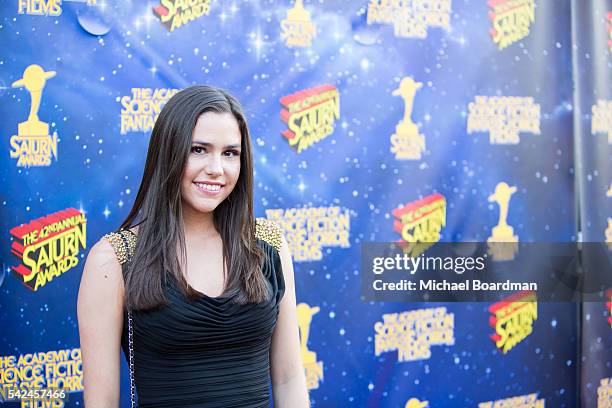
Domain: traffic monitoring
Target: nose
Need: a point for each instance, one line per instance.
(214, 166)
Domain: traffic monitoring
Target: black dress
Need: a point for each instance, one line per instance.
(209, 352)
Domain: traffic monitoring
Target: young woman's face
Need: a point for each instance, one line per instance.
(213, 165)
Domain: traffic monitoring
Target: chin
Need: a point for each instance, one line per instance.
(203, 207)
(207, 208)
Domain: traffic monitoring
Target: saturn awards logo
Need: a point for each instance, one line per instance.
(33, 145)
(176, 13)
(297, 29)
(310, 115)
(48, 247)
(512, 20)
(420, 223)
(513, 319)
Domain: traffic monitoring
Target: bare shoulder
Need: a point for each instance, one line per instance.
(102, 268)
(103, 253)
(284, 251)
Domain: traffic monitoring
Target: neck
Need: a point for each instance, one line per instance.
(198, 225)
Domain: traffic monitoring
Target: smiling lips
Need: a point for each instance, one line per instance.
(209, 187)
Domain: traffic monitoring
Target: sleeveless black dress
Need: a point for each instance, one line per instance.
(209, 352)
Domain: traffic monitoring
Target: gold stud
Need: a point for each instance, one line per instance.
(269, 231)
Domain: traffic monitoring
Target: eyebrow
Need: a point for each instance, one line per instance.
(206, 144)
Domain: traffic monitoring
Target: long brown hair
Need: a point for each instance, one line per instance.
(157, 209)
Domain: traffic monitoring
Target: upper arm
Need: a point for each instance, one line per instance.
(100, 318)
(285, 356)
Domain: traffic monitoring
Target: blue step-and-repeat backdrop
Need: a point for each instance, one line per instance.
(379, 121)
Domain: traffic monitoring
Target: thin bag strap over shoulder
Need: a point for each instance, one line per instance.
(124, 243)
(131, 362)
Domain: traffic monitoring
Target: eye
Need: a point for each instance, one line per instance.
(232, 153)
(197, 149)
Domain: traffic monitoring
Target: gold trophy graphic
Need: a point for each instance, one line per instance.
(33, 145)
(502, 243)
(415, 403)
(313, 368)
(304, 315)
(298, 29)
(34, 78)
(406, 142)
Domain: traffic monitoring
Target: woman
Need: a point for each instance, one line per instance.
(199, 294)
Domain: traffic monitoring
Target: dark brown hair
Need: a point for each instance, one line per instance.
(157, 209)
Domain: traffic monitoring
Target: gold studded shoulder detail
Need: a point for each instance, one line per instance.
(123, 243)
(269, 231)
